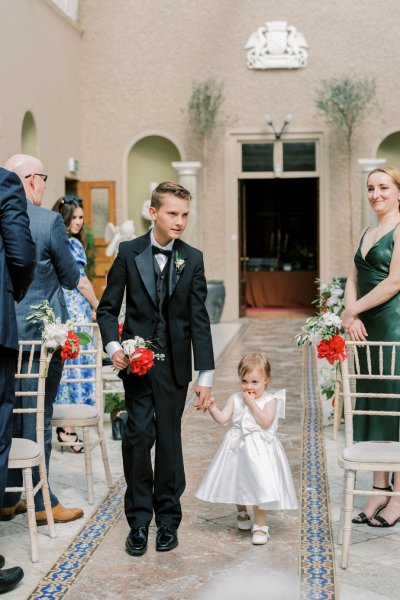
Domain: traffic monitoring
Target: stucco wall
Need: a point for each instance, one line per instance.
(126, 70)
(40, 68)
(138, 64)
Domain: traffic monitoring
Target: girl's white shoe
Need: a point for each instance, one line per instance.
(260, 538)
(243, 520)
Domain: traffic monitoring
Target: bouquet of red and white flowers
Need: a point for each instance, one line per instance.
(140, 355)
(56, 334)
(325, 329)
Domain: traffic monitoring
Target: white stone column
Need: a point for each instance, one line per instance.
(367, 165)
(187, 172)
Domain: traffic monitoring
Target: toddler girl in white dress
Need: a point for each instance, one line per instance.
(250, 466)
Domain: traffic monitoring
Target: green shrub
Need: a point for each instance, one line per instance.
(114, 402)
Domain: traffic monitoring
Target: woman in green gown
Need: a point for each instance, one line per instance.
(372, 300)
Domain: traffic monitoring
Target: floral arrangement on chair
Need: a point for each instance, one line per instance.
(140, 355)
(325, 329)
(56, 334)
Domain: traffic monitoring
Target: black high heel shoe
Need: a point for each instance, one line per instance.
(363, 520)
(74, 438)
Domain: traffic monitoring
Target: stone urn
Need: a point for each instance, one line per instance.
(215, 299)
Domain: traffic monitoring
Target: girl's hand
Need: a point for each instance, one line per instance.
(210, 403)
(357, 331)
(248, 398)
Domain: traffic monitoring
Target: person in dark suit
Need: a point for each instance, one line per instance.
(17, 265)
(56, 268)
(165, 301)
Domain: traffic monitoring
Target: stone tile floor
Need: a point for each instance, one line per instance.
(213, 560)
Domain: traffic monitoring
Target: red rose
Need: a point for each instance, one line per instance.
(70, 349)
(141, 361)
(333, 349)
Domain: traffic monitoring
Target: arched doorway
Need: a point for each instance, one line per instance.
(149, 161)
(389, 149)
(29, 143)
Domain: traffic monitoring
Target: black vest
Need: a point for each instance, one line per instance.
(161, 330)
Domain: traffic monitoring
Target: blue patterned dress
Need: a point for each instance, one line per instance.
(79, 311)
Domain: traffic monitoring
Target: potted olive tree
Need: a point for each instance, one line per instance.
(203, 115)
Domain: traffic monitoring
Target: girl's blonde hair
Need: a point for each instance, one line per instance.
(254, 361)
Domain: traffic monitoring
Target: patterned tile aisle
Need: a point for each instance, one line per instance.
(317, 553)
(213, 556)
(63, 574)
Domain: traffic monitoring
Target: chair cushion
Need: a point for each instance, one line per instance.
(382, 452)
(22, 449)
(74, 411)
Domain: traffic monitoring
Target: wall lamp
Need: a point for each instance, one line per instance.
(286, 122)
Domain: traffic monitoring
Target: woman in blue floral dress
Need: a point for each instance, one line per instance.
(81, 305)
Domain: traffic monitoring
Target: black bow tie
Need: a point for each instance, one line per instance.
(157, 250)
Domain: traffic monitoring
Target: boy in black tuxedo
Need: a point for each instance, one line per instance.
(165, 302)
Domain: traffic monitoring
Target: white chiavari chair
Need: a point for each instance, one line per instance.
(373, 361)
(87, 417)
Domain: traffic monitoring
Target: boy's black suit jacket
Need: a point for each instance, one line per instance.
(189, 323)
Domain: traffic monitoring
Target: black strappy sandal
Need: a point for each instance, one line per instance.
(382, 522)
(363, 519)
(75, 449)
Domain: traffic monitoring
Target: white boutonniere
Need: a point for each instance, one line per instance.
(179, 261)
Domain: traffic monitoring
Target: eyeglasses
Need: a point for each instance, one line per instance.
(71, 199)
(39, 174)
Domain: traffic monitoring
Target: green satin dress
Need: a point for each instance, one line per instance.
(382, 324)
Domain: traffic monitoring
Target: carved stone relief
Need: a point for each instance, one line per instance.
(276, 45)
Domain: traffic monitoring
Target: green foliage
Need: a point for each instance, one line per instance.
(346, 101)
(84, 338)
(91, 252)
(328, 390)
(41, 312)
(205, 101)
(114, 402)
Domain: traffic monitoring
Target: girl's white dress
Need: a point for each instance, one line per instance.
(250, 466)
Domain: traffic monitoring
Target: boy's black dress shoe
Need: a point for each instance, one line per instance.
(2, 561)
(167, 539)
(9, 578)
(136, 542)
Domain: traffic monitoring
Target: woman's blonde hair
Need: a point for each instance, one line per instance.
(254, 361)
(393, 172)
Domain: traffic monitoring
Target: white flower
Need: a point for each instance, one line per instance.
(330, 319)
(333, 300)
(179, 261)
(54, 334)
(314, 338)
(130, 346)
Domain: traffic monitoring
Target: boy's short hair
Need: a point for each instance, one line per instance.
(168, 187)
(254, 361)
